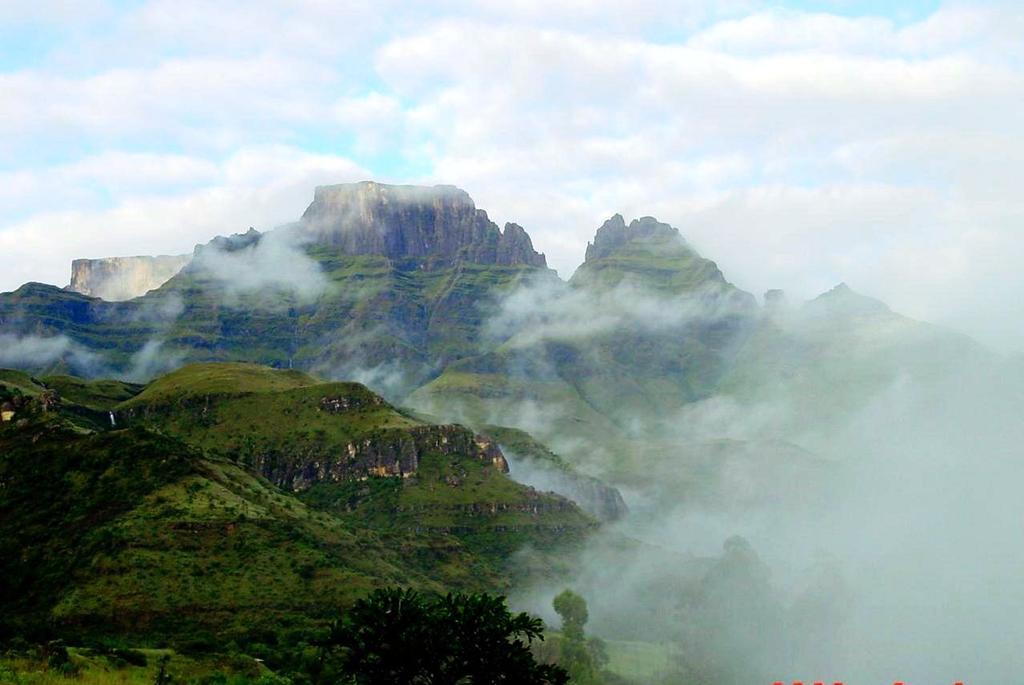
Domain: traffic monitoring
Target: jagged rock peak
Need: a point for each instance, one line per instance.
(614, 233)
(235, 241)
(439, 225)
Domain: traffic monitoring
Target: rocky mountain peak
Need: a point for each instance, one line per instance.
(614, 233)
(437, 225)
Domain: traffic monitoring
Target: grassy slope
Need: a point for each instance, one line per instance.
(101, 395)
(116, 666)
(165, 536)
(142, 534)
(270, 416)
(82, 404)
(234, 409)
(23, 383)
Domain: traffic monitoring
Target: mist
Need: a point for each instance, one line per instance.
(853, 515)
(261, 266)
(34, 352)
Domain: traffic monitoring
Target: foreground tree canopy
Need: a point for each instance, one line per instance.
(398, 636)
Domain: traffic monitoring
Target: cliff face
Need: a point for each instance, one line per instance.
(123, 278)
(439, 225)
(396, 452)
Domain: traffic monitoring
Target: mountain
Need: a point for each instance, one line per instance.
(644, 327)
(383, 283)
(651, 371)
(395, 391)
(827, 358)
(415, 292)
(229, 500)
(123, 278)
(532, 463)
(649, 254)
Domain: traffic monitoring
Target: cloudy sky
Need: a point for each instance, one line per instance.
(798, 144)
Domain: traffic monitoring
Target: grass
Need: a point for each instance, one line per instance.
(106, 667)
(102, 395)
(642, 662)
(20, 380)
(218, 379)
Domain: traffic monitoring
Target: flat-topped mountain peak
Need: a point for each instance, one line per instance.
(438, 224)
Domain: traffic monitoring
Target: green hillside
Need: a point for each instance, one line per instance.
(167, 528)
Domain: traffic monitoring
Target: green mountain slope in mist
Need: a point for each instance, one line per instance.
(826, 359)
(209, 512)
(649, 368)
(644, 327)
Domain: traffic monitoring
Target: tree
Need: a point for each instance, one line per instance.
(573, 611)
(576, 655)
(398, 636)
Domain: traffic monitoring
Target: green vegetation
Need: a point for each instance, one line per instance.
(101, 395)
(582, 658)
(166, 530)
(400, 636)
(54, 664)
(449, 485)
(662, 263)
(601, 385)
(221, 379)
(12, 381)
(640, 662)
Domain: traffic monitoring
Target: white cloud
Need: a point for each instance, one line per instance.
(842, 149)
(262, 187)
(210, 102)
(794, 148)
(96, 179)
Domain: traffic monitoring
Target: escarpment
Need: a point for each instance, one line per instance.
(298, 432)
(389, 452)
(124, 278)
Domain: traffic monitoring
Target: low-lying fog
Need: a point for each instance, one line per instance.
(878, 543)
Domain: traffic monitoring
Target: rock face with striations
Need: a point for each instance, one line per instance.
(123, 278)
(438, 226)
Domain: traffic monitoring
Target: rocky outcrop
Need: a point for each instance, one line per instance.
(437, 226)
(123, 278)
(614, 233)
(389, 452)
